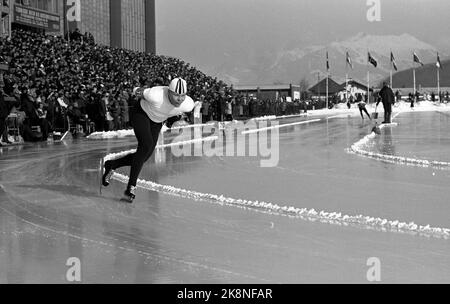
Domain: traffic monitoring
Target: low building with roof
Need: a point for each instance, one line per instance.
(275, 92)
(320, 89)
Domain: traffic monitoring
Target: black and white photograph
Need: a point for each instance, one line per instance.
(239, 144)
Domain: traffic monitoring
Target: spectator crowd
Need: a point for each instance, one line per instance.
(53, 82)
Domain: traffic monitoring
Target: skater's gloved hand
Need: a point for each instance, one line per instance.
(172, 120)
(139, 92)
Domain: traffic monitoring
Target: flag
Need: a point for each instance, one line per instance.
(393, 61)
(372, 60)
(416, 59)
(328, 63)
(438, 62)
(349, 61)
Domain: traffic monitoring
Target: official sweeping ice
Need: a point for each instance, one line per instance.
(155, 106)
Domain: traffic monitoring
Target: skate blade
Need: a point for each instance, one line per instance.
(126, 200)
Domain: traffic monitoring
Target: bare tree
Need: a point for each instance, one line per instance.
(304, 85)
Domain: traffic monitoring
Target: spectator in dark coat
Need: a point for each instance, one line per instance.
(100, 110)
(31, 113)
(387, 97)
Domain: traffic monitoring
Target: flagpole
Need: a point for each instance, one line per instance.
(414, 77)
(318, 81)
(368, 82)
(391, 77)
(368, 76)
(439, 89)
(391, 69)
(328, 76)
(346, 86)
(346, 76)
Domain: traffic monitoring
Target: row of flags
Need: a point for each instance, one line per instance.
(374, 62)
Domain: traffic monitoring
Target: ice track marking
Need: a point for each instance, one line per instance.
(356, 148)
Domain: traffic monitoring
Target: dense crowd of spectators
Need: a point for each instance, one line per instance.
(52, 78)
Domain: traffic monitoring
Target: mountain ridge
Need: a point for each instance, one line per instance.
(309, 62)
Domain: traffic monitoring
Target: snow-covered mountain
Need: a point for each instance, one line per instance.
(309, 62)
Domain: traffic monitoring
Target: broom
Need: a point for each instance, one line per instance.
(375, 114)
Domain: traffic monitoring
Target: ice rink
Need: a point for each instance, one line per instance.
(318, 216)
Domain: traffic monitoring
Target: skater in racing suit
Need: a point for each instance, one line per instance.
(156, 105)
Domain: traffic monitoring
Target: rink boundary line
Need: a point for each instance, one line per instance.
(279, 126)
(310, 215)
(192, 126)
(188, 142)
(356, 148)
(130, 132)
(273, 117)
(178, 143)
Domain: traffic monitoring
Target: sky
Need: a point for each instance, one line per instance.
(202, 32)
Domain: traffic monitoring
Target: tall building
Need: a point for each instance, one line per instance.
(4, 18)
(128, 24)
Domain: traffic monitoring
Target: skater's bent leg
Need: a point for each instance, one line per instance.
(147, 133)
(140, 126)
(122, 162)
(111, 165)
